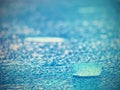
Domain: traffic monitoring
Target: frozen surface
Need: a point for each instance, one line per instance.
(92, 33)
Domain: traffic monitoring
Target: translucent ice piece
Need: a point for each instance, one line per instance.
(45, 39)
(86, 69)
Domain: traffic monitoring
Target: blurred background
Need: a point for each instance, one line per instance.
(91, 31)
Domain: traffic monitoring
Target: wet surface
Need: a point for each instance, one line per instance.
(91, 32)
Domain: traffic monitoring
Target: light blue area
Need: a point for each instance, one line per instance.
(86, 69)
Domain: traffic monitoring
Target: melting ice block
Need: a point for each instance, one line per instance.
(86, 69)
(44, 39)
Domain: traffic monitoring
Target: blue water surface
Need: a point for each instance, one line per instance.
(91, 31)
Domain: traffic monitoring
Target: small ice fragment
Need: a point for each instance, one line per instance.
(86, 69)
(87, 10)
(44, 39)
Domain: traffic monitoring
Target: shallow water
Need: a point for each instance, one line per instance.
(91, 33)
